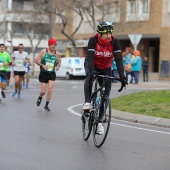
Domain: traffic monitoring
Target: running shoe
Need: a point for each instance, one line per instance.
(39, 101)
(19, 95)
(26, 86)
(100, 129)
(23, 84)
(3, 94)
(14, 93)
(86, 106)
(46, 108)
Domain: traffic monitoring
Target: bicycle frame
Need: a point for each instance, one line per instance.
(97, 115)
(105, 78)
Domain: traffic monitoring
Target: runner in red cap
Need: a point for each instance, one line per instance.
(52, 41)
(49, 60)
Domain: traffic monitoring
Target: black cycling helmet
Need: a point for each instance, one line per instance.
(104, 27)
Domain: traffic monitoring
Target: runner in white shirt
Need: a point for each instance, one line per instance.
(19, 57)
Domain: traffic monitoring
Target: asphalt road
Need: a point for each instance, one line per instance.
(33, 139)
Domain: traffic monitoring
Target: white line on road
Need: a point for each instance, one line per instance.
(74, 86)
(39, 89)
(70, 109)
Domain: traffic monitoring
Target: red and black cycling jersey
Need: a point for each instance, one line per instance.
(100, 54)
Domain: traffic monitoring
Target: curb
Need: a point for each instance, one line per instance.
(143, 119)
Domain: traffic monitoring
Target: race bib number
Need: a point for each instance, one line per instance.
(1, 66)
(50, 66)
(19, 63)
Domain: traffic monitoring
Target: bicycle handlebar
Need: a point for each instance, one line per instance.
(109, 77)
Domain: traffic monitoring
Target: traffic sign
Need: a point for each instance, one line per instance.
(135, 38)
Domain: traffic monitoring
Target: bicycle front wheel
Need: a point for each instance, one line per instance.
(86, 125)
(104, 119)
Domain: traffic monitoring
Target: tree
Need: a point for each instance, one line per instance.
(93, 11)
(35, 24)
(65, 13)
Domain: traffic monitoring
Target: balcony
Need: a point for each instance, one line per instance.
(27, 17)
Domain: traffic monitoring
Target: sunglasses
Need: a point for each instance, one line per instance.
(20, 48)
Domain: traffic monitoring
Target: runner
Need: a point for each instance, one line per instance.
(5, 61)
(27, 75)
(19, 57)
(48, 59)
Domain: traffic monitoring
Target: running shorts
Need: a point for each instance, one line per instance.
(3, 76)
(19, 73)
(8, 75)
(44, 77)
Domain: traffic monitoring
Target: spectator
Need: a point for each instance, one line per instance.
(145, 66)
(136, 65)
(127, 64)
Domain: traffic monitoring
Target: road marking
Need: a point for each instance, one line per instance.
(156, 120)
(75, 86)
(145, 129)
(39, 89)
(70, 109)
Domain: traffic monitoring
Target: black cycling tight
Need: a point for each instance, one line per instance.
(89, 79)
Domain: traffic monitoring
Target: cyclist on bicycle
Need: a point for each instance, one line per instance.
(102, 48)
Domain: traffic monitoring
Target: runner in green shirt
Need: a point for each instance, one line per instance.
(5, 61)
(49, 61)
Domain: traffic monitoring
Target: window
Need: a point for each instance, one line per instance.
(59, 17)
(17, 5)
(131, 10)
(144, 6)
(143, 10)
(18, 28)
(28, 5)
(137, 10)
(111, 12)
(9, 4)
(132, 7)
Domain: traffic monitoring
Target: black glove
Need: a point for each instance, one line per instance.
(123, 80)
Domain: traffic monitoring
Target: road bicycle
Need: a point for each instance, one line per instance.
(100, 111)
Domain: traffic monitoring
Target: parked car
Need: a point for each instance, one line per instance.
(71, 66)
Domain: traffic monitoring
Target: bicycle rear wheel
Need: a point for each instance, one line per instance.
(86, 125)
(105, 107)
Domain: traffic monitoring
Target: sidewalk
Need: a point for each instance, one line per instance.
(136, 118)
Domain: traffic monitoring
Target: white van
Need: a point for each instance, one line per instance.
(71, 66)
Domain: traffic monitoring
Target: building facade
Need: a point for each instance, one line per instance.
(149, 18)
(25, 22)
(32, 22)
